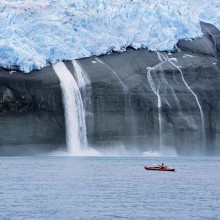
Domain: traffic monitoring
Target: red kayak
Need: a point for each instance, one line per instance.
(158, 168)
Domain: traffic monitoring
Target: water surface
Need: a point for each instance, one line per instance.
(108, 188)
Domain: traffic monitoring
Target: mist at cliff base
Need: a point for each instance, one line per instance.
(115, 151)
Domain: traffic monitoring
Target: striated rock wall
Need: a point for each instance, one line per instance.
(125, 105)
(126, 110)
(122, 102)
(31, 112)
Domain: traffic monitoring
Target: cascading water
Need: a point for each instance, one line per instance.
(156, 86)
(156, 90)
(116, 75)
(163, 78)
(159, 85)
(202, 135)
(84, 84)
(74, 111)
(80, 75)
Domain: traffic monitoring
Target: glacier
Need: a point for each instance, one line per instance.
(36, 33)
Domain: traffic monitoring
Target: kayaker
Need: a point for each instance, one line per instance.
(162, 165)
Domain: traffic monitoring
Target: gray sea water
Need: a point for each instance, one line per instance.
(108, 188)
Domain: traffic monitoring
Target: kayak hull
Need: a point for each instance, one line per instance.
(159, 168)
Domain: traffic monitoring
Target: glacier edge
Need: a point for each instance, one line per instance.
(34, 33)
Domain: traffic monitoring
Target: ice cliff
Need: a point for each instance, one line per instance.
(34, 33)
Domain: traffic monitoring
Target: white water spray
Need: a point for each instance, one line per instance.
(74, 111)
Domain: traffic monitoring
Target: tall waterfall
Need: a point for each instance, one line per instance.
(74, 111)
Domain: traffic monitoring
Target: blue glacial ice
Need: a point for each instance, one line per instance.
(35, 33)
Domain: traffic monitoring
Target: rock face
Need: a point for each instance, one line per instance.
(126, 110)
(31, 112)
(138, 99)
(127, 89)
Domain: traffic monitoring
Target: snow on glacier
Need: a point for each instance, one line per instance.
(34, 33)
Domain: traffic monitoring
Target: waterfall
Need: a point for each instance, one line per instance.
(84, 84)
(202, 136)
(162, 82)
(80, 75)
(74, 110)
(116, 75)
(162, 60)
(156, 91)
(158, 85)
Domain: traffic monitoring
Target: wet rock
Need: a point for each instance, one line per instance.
(31, 113)
(200, 45)
(176, 107)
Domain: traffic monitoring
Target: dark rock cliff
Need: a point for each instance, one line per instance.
(127, 112)
(31, 112)
(122, 101)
